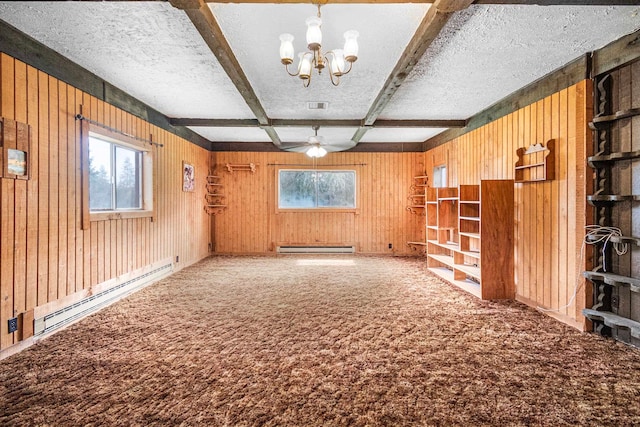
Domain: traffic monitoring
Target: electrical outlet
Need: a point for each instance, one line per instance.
(177, 258)
(390, 245)
(13, 325)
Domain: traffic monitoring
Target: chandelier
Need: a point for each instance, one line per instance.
(338, 61)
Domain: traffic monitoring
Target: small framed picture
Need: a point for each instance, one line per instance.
(188, 177)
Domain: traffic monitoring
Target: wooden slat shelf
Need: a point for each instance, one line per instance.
(473, 235)
(617, 239)
(533, 165)
(613, 321)
(612, 198)
(613, 157)
(613, 279)
(449, 245)
(417, 243)
(619, 115)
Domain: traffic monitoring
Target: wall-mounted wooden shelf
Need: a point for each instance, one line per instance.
(213, 196)
(242, 167)
(535, 163)
(599, 121)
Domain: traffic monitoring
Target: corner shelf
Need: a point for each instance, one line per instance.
(457, 222)
(213, 197)
(535, 163)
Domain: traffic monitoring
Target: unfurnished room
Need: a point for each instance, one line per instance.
(320, 213)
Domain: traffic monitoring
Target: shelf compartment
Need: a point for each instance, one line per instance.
(466, 285)
(612, 320)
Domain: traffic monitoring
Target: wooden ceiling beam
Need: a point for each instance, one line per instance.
(322, 123)
(200, 15)
(562, 2)
(430, 27)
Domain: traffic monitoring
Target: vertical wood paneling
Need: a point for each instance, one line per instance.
(549, 216)
(251, 223)
(45, 253)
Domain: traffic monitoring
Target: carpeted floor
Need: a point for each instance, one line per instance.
(307, 341)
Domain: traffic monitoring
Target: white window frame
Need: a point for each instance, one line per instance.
(146, 184)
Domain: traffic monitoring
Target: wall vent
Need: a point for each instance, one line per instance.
(317, 105)
(316, 249)
(82, 308)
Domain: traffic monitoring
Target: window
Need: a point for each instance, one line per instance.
(115, 176)
(311, 189)
(440, 176)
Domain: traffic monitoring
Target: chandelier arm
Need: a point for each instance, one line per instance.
(347, 72)
(286, 67)
(307, 82)
(335, 82)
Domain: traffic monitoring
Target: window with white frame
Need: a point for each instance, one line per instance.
(316, 189)
(440, 176)
(115, 176)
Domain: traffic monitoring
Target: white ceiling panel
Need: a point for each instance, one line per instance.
(330, 135)
(232, 134)
(252, 31)
(148, 49)
(485, 53)
(400, 134)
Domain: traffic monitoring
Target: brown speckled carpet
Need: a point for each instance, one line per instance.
(318, 341)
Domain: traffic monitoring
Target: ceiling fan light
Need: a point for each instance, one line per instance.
(314, 34)
(337, 62)
(286, 48)
(321, 152)
(305, 65)
(313, 151)
(351, 45)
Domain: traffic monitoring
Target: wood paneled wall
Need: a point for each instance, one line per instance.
(45, 254)
(550, 216)
(251, 223)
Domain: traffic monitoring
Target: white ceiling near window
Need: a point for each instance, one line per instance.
(153, 51)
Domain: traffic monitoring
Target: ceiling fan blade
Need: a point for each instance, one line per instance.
(339, 146)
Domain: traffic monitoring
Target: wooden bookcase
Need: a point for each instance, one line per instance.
(459, 220)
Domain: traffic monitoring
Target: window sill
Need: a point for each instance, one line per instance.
(111, 215)
(318, 210)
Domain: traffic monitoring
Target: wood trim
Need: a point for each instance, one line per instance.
(616, 54)
(322, 123)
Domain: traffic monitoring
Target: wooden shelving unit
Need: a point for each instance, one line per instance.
(458, 220)
(417, 202)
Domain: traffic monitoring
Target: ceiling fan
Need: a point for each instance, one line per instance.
(316, 146)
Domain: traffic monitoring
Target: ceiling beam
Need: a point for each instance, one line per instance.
(430, 27)
(237, 123)
(200, 15)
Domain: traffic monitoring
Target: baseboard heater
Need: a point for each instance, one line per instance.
(88, 305)
(310, 249)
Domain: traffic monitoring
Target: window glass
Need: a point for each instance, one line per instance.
(114, 176)
(440, 176)
(316, 189)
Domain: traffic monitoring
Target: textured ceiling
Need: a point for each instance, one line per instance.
(485, 53)
(152, 51)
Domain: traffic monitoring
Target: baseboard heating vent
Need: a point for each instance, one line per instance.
(316, 249)
(95, 302)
